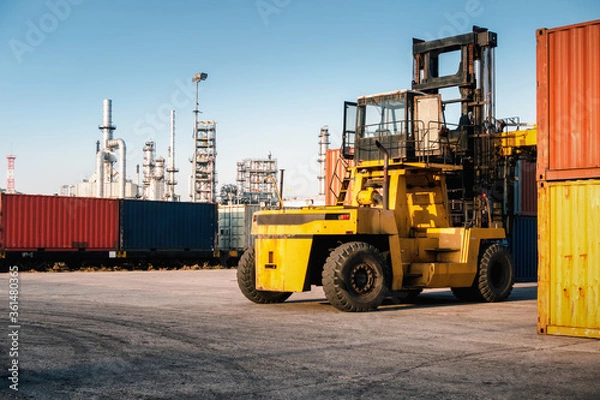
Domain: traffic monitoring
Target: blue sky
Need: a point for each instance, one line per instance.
(278, 71)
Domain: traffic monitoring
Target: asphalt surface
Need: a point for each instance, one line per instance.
(191, 334)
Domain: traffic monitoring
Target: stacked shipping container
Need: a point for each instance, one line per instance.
(523, 227)
(525, 189)
(568, 173)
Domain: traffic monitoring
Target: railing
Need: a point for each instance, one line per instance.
(341, 164)
(431, 142)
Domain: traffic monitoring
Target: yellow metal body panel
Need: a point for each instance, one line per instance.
(281, 264)
(284, 239)
(513, 140)
(569, 258)
(436, 275)
(415, 202)
(472, 241)
(444, 256)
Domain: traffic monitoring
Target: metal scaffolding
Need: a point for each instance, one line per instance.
(253, 187)
(204, 175)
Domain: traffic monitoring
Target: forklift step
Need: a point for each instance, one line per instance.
(442, 249)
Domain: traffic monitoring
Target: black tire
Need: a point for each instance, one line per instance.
(246, 277)
(494, 280)
(467, 293)
(496, 276)
(356, 277)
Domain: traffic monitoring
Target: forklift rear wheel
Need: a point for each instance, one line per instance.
(355, 277)
(246, 277)
(496, 275)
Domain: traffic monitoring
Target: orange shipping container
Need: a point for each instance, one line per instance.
(568, 101)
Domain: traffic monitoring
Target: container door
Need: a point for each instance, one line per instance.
(569, 288)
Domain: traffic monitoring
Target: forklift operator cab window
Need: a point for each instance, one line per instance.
(382, 119)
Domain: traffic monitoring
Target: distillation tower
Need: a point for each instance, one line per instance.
(171, 170)
(323, 147)
(108, 181)
(156, 184)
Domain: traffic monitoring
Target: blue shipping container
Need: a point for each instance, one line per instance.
(525, 193)
(167, 226)
(524, 248)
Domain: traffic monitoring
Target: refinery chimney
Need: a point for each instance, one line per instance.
(10, 174)
(171, 170)
(105, 157)
(323, 147)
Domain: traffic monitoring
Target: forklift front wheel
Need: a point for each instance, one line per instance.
(355, 277)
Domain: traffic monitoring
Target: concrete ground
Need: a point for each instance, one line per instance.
(191, 334)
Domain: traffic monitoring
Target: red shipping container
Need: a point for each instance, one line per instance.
(52, 223)
(568, 102)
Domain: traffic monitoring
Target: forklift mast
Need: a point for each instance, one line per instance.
(480, 189)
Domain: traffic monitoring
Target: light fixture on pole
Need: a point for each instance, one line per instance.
(199, 77)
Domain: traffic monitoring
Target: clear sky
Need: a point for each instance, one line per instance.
(278, 70)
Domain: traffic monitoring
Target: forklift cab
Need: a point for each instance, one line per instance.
(406, 122)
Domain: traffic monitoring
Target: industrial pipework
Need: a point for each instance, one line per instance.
(105, 156)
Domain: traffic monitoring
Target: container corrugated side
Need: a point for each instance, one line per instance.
(235, 224)
(526, 188)
(334, 174)
(568, 101)
(569, 258)
(167, 226)
(524, 248)
(58, 223)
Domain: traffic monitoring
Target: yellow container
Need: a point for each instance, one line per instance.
(569, 258)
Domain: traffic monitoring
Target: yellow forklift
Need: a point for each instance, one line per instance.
(426, 209)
